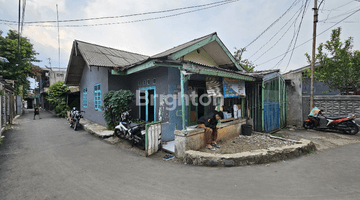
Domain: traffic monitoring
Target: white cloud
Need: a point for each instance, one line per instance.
(237, 25)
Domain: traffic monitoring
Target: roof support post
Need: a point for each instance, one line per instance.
(279, 91)
(182, 82)
(262, 105)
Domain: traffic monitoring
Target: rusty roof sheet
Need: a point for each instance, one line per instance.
(96, 55)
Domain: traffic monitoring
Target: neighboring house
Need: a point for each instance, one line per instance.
(201, 66)
(298, 86)
(49, 76)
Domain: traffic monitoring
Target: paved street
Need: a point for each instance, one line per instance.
(45, 159)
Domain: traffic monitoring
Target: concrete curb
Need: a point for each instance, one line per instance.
(95, 129)
(261, 156)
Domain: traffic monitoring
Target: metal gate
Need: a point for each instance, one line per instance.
(274, 102)
(255, 104)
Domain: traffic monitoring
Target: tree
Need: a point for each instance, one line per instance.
(115, 103)
(339, 66)
(245, 63)
(19, 66)
(57, 101)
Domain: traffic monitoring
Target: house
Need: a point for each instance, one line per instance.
(48, 77)
(298, 88)
(176, 86)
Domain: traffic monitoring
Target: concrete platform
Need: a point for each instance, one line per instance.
(261, 156)
(96, 129)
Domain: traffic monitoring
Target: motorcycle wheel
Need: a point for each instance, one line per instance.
(354, 128)
(308, 125)
(119, 134)
(142, 143)
(76, 125)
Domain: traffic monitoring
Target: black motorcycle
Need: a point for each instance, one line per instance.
(132, 132)
(75, 116)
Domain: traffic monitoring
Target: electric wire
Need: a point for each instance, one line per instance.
(292, 52)
(271, 25)
(294, 37)
(337, 8)
(312, 38)
(275, 34)
(282, 36)
(340, 15)
(122, 16)
(133, 21)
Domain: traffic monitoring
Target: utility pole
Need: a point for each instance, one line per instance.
(57, 21)
(51, 71)
(19, 27)
(313, 56)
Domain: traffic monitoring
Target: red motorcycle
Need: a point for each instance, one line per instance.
(342, 123)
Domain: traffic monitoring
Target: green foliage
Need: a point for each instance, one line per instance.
(115, 103)
(1, 139)
(19, 65)
(110, 127)
(57, 101)
(245, 63)
(138, 121)
(339, 65)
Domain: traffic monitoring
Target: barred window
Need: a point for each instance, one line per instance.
(97, 97)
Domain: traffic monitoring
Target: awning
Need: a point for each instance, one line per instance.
(215, 71)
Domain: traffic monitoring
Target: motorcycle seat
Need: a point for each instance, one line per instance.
(336, 117)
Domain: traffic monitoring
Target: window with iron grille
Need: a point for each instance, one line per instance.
(97, 97)
(85, 97)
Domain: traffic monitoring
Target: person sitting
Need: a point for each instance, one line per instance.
(209, 122)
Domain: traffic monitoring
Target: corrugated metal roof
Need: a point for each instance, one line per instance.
(301, 69)
(96, 55)
(263, 72)
(230, 73)
(180, 47)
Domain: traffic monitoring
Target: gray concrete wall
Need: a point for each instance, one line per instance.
(319, 88)
(88, 80)
(294, 99)
(117, 82)
(55, 75)
(341, 105)
(136, 81)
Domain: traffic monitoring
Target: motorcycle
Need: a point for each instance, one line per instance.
(342, 123)
(74, 119)
(134, 132)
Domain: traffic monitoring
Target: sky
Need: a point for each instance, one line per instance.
(241, 23)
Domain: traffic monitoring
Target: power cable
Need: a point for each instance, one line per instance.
(340, 15)
(293, 23)
(311, 38)
(276, 34)
(292, 5)
(292, 52)
(337, 8)
(122, 16)
(134, 21)
(294, 36)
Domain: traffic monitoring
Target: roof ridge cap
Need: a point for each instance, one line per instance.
(110, 48)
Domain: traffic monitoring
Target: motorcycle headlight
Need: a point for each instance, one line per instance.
(143, 132)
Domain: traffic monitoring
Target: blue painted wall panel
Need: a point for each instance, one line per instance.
(271, 115)
(88, 80)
